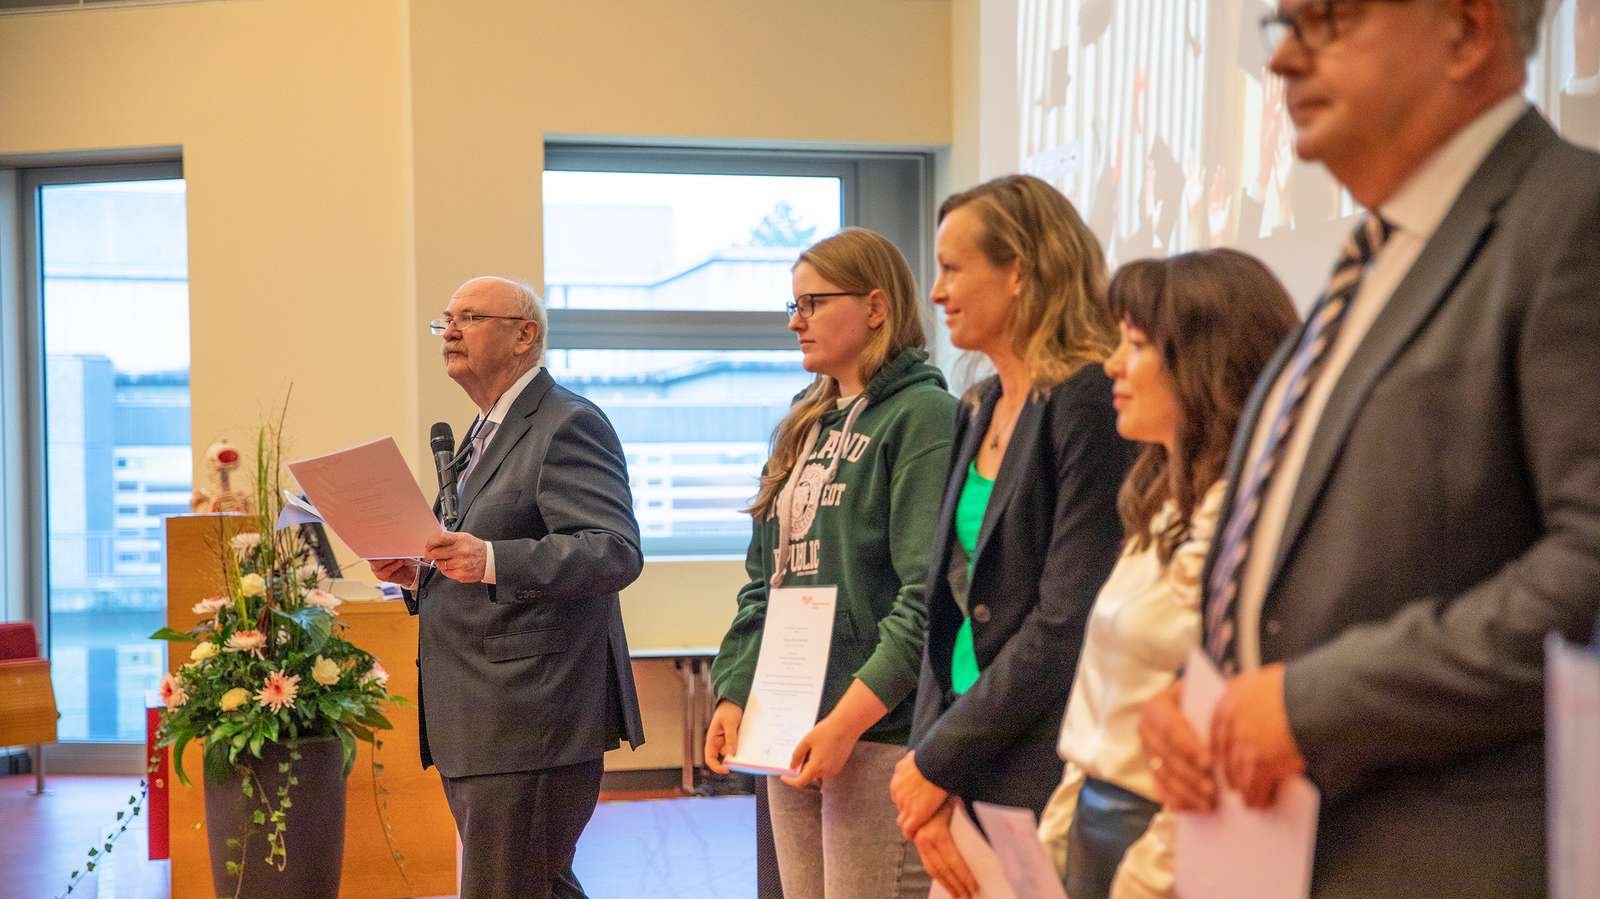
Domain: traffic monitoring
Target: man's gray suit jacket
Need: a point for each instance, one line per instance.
(1447, 518)
(532, 671)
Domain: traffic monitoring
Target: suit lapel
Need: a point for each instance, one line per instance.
(1443, 261)
(1024, 438)
(505, 438)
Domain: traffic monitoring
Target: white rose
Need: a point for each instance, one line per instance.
(202, 651)
(252, 585)
(325, 671)
(234, 698)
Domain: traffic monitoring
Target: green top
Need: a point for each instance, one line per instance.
(869, 532)
(970, 507)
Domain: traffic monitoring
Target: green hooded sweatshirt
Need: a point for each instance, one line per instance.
(867, 531)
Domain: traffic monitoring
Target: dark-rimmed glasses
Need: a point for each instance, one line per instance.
(806, 304)
(1314, 25)
(438, 326)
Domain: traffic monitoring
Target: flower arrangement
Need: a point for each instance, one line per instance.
(268, 664)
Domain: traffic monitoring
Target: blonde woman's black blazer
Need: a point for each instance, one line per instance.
(1049, 539)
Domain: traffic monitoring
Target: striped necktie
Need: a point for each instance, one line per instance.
(1321, 330)
(480, 441)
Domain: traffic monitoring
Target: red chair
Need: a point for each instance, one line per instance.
(27, 700)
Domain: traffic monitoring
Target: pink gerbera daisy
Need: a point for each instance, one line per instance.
(247, 641)
(208, 607)
(172, 693)
(279, 690)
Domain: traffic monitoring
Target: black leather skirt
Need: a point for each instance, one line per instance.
(1107, 821)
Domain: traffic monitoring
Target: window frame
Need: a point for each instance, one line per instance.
(687, 329)
(888, 191)
(24, 460)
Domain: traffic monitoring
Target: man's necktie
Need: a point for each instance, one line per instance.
(480, 440)
(1322, 328)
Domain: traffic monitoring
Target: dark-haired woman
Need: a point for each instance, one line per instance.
(1196, 331)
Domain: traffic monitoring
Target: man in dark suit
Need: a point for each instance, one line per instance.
(525, 681)
(1414, 495)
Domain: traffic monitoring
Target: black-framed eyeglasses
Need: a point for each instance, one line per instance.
(438, 326)
(806, 304)
(1314, 25)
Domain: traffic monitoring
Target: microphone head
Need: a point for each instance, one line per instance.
(441, 439)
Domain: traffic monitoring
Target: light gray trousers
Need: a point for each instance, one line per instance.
(838, 839)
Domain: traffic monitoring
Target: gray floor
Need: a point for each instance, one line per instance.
(660, 848)
(671, 849)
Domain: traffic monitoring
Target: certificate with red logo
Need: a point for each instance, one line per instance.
(788, 682)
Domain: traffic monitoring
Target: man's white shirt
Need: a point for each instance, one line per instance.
(1415, 211)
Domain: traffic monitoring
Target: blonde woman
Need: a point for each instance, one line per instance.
(1197, 330)
(1028, 529)
(847, 499)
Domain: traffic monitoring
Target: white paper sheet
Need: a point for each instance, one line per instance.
(1236, 851)
(369, 498)
(787, 687)
(297, 510)
(1572, 744)
(1014, 835)
(980, 859)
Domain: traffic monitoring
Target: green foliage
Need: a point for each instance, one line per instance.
(262, 645)
(267, 664)
(124, 818)
(316, 623)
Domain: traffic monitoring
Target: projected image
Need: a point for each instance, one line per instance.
(1160, 120)
(1113, 113)
(1575, 65)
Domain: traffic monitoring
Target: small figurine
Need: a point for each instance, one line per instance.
(218, 495)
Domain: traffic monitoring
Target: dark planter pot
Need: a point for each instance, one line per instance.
(314, 842)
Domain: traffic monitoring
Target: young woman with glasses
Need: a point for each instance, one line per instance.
(848, 500)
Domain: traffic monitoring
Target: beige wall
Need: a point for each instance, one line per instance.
(350, 162)
(291, 121)
(494, 79)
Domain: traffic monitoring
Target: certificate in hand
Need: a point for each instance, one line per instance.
(1238, 851)
(981, 861)
(787, 688)
(1572, 743)
(1014, 836)
(369, 498)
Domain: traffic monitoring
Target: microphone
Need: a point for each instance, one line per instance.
(442, 441)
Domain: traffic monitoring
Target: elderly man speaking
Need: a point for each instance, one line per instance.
(524, 681)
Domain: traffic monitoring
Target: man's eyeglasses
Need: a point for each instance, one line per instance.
(438, 326)
(1314, 25)
(806, 304)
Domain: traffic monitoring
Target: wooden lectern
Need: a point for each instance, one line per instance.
(419, 819)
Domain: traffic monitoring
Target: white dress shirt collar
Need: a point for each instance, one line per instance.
(1425, 198)
(497, 412)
